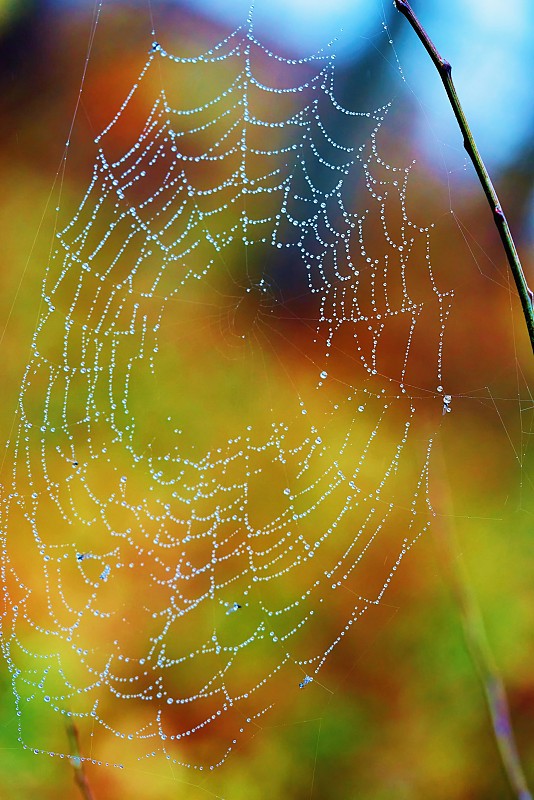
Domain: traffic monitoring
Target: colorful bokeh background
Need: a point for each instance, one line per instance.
(403, 714)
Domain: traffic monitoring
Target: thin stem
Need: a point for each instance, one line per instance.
(476, 639)
(444, 69)
(80, 778)
(482, 657)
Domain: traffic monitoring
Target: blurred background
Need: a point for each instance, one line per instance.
(404, 716)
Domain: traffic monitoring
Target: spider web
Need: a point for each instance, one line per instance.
(225, 427)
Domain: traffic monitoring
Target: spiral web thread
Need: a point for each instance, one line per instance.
(163, 592)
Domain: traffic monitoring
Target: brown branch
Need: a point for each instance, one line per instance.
(80, 778)
(445, 72)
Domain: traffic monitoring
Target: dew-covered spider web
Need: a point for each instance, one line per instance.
(224, 431)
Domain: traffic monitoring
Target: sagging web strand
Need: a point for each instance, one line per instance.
(144, 559)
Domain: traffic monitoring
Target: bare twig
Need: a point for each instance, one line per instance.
(80, 778)
(444, 69)
(482, 657)
(476, 639)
